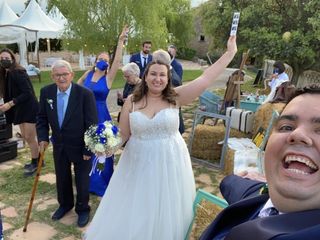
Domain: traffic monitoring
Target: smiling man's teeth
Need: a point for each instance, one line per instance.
(301, 159)
(298, 171)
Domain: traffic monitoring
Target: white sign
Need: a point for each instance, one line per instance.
(235, 22)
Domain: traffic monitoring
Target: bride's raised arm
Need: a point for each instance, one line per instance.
(190, 91)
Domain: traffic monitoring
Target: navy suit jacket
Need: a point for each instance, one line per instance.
(177, 67)
(80, 114)
(239, 220)
(136, 58)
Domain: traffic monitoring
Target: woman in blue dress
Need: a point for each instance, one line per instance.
(99, 79)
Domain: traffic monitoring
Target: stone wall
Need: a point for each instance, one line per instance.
(308, 77)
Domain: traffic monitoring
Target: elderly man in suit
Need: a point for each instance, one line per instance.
(290, 209)
(68, 109)
(143, 57)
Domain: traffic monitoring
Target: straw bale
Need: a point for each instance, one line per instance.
(205, 142)
(237, 134)
(229, 161)
(263, 115)
(205, 213)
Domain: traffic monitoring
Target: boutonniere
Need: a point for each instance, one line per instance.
(50, 102)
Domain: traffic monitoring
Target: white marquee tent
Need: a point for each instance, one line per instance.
(10, 35)
(57, 16)
(32, 25)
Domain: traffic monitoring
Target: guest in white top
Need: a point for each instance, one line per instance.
(277, 78)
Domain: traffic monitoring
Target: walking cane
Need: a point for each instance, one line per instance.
(34, 188)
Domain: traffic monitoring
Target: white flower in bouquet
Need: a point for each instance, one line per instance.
(99, 148)
(103, 140)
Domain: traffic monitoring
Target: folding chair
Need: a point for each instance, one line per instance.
(200, 196)
(198, 116)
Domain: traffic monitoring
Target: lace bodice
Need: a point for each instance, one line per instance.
(163, 125)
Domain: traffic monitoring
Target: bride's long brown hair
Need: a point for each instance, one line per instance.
(141, 89)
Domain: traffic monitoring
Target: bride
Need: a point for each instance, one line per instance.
(151, 192)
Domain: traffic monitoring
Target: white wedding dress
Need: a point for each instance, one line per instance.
(151, 192)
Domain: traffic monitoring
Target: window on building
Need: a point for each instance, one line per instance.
(202, 38)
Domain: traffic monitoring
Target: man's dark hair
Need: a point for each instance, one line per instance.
(280, 66)
(170, 55)
(146, 42)
(311, 89)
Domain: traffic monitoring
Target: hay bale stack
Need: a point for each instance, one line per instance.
(205, 142)
(237, 134)
(263, 115)
(229, 161)
(205, 213)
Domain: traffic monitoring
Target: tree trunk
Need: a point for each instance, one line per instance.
(297, 71)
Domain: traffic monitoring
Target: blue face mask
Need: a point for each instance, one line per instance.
(102, 65)
(276, 71)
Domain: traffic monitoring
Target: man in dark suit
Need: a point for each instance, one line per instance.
(290, 209)
(68, 109)
(143, 57)
(174, 62)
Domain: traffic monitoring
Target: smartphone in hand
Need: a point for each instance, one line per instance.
(235, 23)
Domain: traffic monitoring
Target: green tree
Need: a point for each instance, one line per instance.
(287, 30)
(179, 20)
(95, 24)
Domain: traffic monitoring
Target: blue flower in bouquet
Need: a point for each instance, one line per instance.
(103, 140)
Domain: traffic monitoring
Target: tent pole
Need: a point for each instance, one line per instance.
(27, 52)
(38, 54)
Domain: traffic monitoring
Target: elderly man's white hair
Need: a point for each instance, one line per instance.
(161, 56)
(131, 68)
(61, 63)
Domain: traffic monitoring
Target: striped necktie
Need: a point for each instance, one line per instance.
(273, 211)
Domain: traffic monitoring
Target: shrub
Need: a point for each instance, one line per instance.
(186, 53)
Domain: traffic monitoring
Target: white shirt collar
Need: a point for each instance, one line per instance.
(143, 55)
(264, 211)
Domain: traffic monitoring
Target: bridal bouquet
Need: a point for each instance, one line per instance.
(103, 140)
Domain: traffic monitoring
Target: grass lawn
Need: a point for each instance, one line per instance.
(119, 82)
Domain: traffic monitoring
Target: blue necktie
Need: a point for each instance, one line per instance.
(60, 106)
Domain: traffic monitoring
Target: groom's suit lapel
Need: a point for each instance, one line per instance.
(273, 226)
(53, 114)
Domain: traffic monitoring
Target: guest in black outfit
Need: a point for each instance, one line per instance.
(68, 109)
(20, 103)
(131, 74)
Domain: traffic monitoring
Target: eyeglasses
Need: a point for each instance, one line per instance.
(63, 75)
